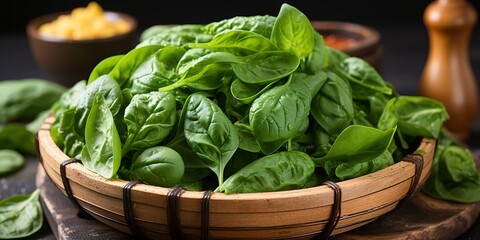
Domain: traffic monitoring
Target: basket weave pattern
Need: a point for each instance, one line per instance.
(172, 213)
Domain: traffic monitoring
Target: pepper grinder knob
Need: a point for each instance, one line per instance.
(447, 75)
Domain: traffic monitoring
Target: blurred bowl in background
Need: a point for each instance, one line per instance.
(354, 39)
(68, 61)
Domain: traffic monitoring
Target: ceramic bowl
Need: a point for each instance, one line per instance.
(68, 61)
(354, 39)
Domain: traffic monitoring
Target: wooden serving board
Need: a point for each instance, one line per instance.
(421, 218)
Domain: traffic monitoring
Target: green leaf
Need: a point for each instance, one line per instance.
(103, 151)
(210, 133)
(174, 35)
(158, 70)
(420, 116)
(356, 144)
(104, 67)
(24, 99)
(265, 67)
(332, 107)
(65, 135)
(10, 161)
(238, 42)
(211, 77)
(246, 92)
(258, 68)
(127, 65)
(159, 166)
(149, 118)
(111, 92)
(293, 31)
(248, 142)
(352, 170)
(276, 172)
(17, 137)
(20, 216)
(318, 59)
(258, 24)
(364, 78)
(278, 114)
(453, 176)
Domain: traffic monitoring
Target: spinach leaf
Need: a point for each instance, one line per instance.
(246, 92)
(130, 61)
(111, 92)
(453, 176)
(17, 137)
(420, 116)
(356, 144)
(70, 98)
(415, 117)
(352, 170)
(159, 166)
(279, 113)
(318, 59)
(210, 77)
(363, 77)
(193, 175)
(322, 141)
(24, 99)
(179, 143)
(258, 24)
(332, 107)
(258, 68)
(179, 35)
(276, 172)
(149, 118)
(293, 31)
(65, 135)
(103, 151)
(239, 160)
(104, 67)
(238, 42)
(10, 161)
(170, 28)
(247, 141)
(210, 133)
(265, 67)
(20, 216)
(336, 56)
(157, 71)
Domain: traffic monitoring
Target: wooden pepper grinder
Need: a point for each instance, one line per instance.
(448, 76)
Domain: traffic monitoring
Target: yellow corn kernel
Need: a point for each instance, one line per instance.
(84, 23)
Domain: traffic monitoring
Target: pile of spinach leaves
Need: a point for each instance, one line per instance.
(24, 104)
(247, 104)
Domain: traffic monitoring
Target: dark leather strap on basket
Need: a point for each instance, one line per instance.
(205, 213)
(68, 189)
(173, 213)
(417, 159)
(128, 209)
(336, 210)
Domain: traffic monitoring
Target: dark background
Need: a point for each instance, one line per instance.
(15, 14)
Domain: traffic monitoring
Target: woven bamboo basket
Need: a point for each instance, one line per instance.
(172, 213)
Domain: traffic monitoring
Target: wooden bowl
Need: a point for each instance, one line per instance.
(68, 61)
(295, 214)
(365, 40)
